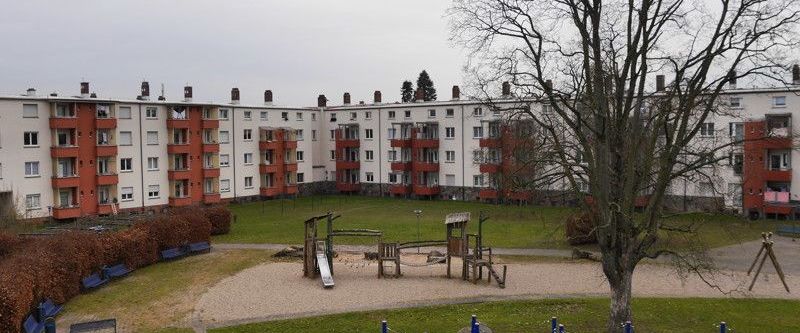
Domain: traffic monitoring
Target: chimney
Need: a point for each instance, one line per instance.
(322, 101)
(187, 93)
(92, 95)
(796, 75)
(235, 96)
(660, 83)
(30, 92)
(419, 96)
(162, 98)
(53, 94)
(732, 79)
(548, 85)
(456, 93)
(84, 89)
(506, 89)
(377, 97)
(360, 102)
(346, 99)
(145, 91)
(267, 97)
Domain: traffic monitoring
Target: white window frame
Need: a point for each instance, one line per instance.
(227, 160)
(248, 179)
(26, 107)
(32, 169)
(153, 191)
(30, 199)
(126, 193)
(148, 114)
(122, 164)
(148, 138)
(450, 156)
(224, 185)
(247, 135)
(152, 163)
(30, 136)
(248, 158)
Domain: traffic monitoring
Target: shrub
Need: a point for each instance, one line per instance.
(220, 218)
(580, 228)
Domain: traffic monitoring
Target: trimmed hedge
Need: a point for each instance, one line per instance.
(52, 267)
(220, 218)
(580, 228)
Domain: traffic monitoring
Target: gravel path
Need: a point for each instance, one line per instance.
(364, 248)
(278, 290)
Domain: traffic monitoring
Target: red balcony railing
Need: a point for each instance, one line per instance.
(66, 212)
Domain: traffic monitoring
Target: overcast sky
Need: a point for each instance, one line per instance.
(297, 48)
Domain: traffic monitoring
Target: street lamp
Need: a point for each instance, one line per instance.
(418, 212)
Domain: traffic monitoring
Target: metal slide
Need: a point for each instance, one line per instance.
(324, 269)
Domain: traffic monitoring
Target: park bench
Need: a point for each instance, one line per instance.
(93, 281)
(116, 271)
(173, 253)
(107, 325)
(31, 325)
(789, 231)
(49, 309)
(199, 247)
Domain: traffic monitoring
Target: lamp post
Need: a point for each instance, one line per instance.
(418, 212)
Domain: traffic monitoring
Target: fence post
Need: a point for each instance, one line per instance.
(561, 328)
(474, 320)
(384, 326)
(723, 327)
(553, 324)
(628, 327)
(476, 328)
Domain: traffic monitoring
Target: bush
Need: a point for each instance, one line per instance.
(220, 218)
(580, 228)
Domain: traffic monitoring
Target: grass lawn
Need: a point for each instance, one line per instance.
(578, 315)
(280, 221)
(159, 297)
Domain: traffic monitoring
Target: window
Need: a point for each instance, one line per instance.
(450, 180)
(477, 112)
(450, 113)
(224, 185)
(126, 164)
(333, 134)
(407, 113)
(248, 135)
(31, 139)
(353, 115)
(64, 111)
(285, 116)
(333, 155)
(432, 113)
(370, 177)
(248, 115)
(263, 115)
(224, 160)
(477, 180)
(152, 137)
(299, 135)
(736, 102)
(391, 133)
(126, 194)
(477, 132)
(477, 156)
(300, 156)
(368, 133)
(369, 154)
(391, 114)
(392, 178)
(313, 135)
(301, 177)
(313, 116)
(333, 116)
(736, 162)
(151, 112)
(779, 101)
(30, 111)
(547, 109)
(124, 112)
(31, 169)
(368, 115)
(299, 116)
(450, 156)
(208, 186)
(248, 182)
(152, 163)
(449, 132)
(391, 156)
(705, 189)
(153, 191)
(736, 131)
(223, 114)
(125, 138)
(248, 158)
(707, 129)
(33, 201)
(224, 137)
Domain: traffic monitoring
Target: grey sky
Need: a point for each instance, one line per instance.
(298, 49)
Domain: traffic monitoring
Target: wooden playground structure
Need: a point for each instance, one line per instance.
(475, 257)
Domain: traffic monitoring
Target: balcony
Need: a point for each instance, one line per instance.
(268, 168)
(290, 144)
(776, 197)
(180, 201)
(426, 166)
(400, 143)
(271, 191)
(488, 193)
(66, 123)
(490, 167)
(107, 179)
(490, 142)
(105, 209)
(348, 187)
(401, 166)
(178, 174)
(344, 165)
(211, 172)
(64, 151)
(66, 212)
(270, 145)
(291, 189)
(425, 143)
(62, 182)
(106, 123)
(400, 189)
(106, 150)
(347, 143)
(291, 167)
(210, 123)
(177, 123)
(426, 189)
(178, 148)
(211, 198)
(778, 175)
(211, 147)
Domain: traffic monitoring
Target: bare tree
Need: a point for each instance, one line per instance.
(606, 125)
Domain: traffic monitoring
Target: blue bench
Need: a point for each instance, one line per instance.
(116, 271)
(93, 281)
(199, 247)
(173, 253)
(788, 230)
(32, 326)
(49, 309)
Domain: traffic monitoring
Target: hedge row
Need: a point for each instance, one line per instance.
(52, 267)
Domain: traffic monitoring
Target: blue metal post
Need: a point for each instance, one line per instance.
(474, 320)
(723, 327)
(384, 327)
(553, 324)
(628, 327)
(476, 328)
(561, 328)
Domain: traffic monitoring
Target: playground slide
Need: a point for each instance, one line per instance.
(324, 270)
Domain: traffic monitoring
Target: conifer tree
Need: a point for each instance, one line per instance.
(424, 82)
(407, 92)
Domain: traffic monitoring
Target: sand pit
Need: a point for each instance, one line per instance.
(278, 290)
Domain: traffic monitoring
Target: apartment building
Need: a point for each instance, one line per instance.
(67, 157)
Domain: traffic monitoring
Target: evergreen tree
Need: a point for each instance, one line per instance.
(407, 92)
(424, 82)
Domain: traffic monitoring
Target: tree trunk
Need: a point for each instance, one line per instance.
(620, 300)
